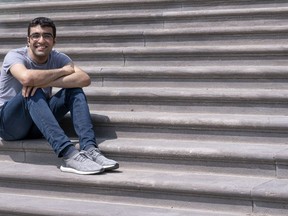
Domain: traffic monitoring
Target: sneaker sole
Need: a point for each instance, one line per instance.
(111, 167)
(71, 170)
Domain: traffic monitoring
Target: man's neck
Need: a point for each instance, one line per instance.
(36, 59)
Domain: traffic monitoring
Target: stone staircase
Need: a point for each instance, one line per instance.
(189, 96)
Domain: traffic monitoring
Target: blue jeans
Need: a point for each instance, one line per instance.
(37, 116)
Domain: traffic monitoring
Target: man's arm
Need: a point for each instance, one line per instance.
(38, 78)
(77, 79)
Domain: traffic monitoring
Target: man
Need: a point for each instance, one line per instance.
(28, 109)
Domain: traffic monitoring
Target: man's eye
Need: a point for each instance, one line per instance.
(47, 36)
(35, 36)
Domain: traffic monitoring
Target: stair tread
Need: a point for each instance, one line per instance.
(233, 158)
(192, 149)
(272, 29)
(51, 206)
(190, 93)
(178, 49)
(186, 184)
(195, 149)
(188, 70)
(207, 120)
(193, 49)
(177, 13)
(131, 179)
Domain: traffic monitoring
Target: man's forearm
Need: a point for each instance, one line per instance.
(77, 79)
(30, 77)
(44, 77)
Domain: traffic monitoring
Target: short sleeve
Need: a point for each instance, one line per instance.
(12, 57)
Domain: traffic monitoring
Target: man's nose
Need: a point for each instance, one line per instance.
(41, 38)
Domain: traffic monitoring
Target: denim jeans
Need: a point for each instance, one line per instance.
(37, 116)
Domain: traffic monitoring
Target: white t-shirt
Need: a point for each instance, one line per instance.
(10, 86)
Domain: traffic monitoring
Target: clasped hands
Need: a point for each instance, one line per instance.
(28, 91)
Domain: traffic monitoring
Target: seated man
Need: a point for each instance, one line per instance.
(28, 109)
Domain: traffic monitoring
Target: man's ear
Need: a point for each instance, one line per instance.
(28, 41)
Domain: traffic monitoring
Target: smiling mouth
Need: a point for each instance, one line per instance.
(41, 47)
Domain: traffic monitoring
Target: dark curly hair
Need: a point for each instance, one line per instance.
(43, 22)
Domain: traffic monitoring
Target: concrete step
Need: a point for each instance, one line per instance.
(218, 193)
(180, 56)
(128, 5)
(131, 6)
(247, 77)
(177, 56)
(209, 36)
(189, 100)
(237, 122)
(20, 205)
(92, 6)
(188, 126)
(202, 72)
(249, 16)
(227, 158)
(232, 158)
(176, 37)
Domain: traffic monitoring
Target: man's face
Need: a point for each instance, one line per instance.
(40, 42)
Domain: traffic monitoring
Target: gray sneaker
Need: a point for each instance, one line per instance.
(82, 164)
(99, 158)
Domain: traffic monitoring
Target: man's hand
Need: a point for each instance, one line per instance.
(78, 79)
(68, 69)
(28, 91)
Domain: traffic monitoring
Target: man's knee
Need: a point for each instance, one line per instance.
(75, 93)
(38, 97)
(39, 93)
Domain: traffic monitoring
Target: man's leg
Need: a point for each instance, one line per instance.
(46, 122)
(20, 114)
(74, 100)
(15, 120)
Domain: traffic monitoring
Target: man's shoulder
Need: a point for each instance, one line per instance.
(59, 56)
(56, 52)
(17, 51)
